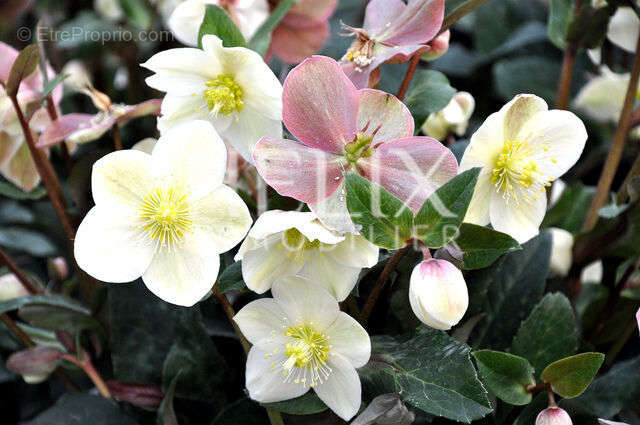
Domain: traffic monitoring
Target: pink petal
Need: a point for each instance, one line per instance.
(420, 22)
(320, 104)
(411, 168)
(361, 77)
(148, 107)
(70, 125)
(379, 13)
(316, 10)
(293, 44)
(638, 317)
(296, 170)
(385, 113)
(8, 55)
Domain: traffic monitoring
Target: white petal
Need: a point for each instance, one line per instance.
(191, 154)
(350, 340)
(145, 145)
(266, 383)
(336, 278)
(485, 144)
(258, 319)
(276, 221)
(602, 97)
(313, 230)
(333, 213)
(478, 211)
(307, 301)
(355, 251)
(341, 392)
(250, 14)
(248, 127)
(177, 108)
(561, 251)
(223, 216)
(266, 262)
(184, 275)
(518, 112)
(623, 29)
(520, 220)
(185, 21)
(182, 71)
(107, 247)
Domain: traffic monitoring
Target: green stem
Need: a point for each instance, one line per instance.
(274, 417)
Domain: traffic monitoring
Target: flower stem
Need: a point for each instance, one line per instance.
(13, 268)
(459, 13)
(53, 115)
(537, 388)
(633, 172)
(408, 76)
(86, 365)
(380, 283)
(617, 146)
(117, 140)
(568, 64)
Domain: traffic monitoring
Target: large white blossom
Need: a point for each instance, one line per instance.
(302, 340)
(521, 150)
(284, 243)
(165, 216)
(231, 87)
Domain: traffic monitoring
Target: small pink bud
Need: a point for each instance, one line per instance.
(58, 269)
(438, 47)
(553, 416)
(438, 294)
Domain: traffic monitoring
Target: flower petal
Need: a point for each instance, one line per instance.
(77, 128)
(478, 210)
(185, 21)
(320, 104)
(380, 13)
(183, 71)
(296, 170)
(332, 211)
(108, 248)
(350, 340)
(318, 10)
(302, 299)
(9, 145)
(518, 111)
(355, 251)
(245, 131)
(21, 169)
(266, 383)
(314, 230)
(419, 22)
(336, 278)
(250, 15)
(276, 221)
(342, 391)
(485, 144)
(623, 29)
(520, 220)
(411, 168)
(258, 319)
(385, 113)
(293, 44)
(602, 98)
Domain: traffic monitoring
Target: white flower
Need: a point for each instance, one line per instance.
(602, 97)
(165, 216)
(623, 29)
(10, 288)
(454, 118)
(521, 149)
(187, 17)
(561, 251)
(231, 87)
(286, 243)
(438, 294)
(302, 340)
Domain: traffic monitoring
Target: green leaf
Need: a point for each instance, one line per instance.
(440, 216)
(83, 409)
(11, 191)
(52, 84)
(571, 376)
(506, 375)
(531, 411)
(432, 372)
(307, 404)
(513, 76)
(217, 22)
(27, 240)
(166, 412)
(429, 92)
(137, 13)
(44, 300)
(570, 210)
(481, 246)
(231, 279)
(56, 318)
(24, 65)
(561, 15)
(507, 291)
(262, 38)
(384, 219)
(589, 29)
(548, 334)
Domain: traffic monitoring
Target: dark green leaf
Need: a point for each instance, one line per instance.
(83, 409)
(440, 216)
(431, 372)
(218, 23)
(532, 410)
(513, 76)
(307, 404)
(231, 279)
(80, 31)
(56, 318)
(571, 376)
(589, 29)
(137, 13)
(383, 219)
(262, 38)
(44, 300)
(548, 334)
(570, 210)
(166, 412)
(480, 246)
(11, 191)
(429, 92)
(52, 84)
(27, 240)
(24, 65)
(506, 375)
(561, 15)
(242, 412)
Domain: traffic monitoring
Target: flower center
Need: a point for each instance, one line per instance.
(165, 216)
(297, 245)
(359, 148)
(361, 50)
(307, 354)
(516, 172)
(223, 95)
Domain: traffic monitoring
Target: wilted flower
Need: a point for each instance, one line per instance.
(437, 47)
(553, 416)
(341, 128)
(187, 17)
(392, 30)
(561, 251)
(11, 287)
(35, 364)
(231, 87)
(454, 118)
(165, 216)
(303, 30)
(385, 409)
(302, 340)
(438, 294)
(521, 149)
(286, 243)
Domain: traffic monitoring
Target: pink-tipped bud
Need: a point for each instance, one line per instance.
(437, 47)
(553, 416)
(438, 294)
(58, 269)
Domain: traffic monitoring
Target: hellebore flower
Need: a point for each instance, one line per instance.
(165, 216)
(553, 416)
(438, 294)
(286, 243)
(521, 149)
(302, 340)
(303, 30)
(231, 87)
(392, 30)
(341, 128)
(11, 287)
(454, 118)
(561, 251)
(187, 17)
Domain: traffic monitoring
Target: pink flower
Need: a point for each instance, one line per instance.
(303, 31)
(341, 128)
(392, 30)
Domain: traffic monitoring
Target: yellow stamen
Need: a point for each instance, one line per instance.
(165, 216)
(224, 95)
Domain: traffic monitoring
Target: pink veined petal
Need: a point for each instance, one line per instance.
(148, 107)
(296, 170)
(361, 77)
(317, 10)
(9, 55)
(294, 43)
(379, 13)
(320, 104)
(89, 126)
(411, 168)
(420, 22)
(385, 113)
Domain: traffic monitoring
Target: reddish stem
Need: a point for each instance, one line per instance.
(408, 76)
(13, 268)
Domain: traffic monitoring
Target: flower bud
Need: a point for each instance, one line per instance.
(10, 288)
(454, 118)
(553, 416)
(561, 251)
(438, 47)
(58, 269)
(438, 294)
(78, 77)
(35, 364)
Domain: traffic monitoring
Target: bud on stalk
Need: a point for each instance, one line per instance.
(553, 416)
